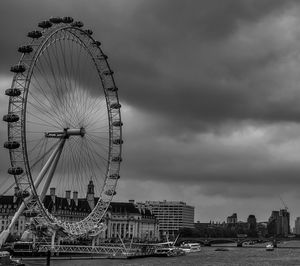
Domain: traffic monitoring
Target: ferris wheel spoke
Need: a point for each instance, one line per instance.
(52, 104)
(66, 76)
(98, 143)
(50, 118)
(90, 111)
(38, 142)
(39, 88)
(41, 157)
(96, 129)
(60, 71)
(93, 165)
(72, 63)
(89, 156)
(43, 73)
(55, 76)
(41, 124)
(93, 153)
(49, 110)
(96, 134)
(63, 97)
(44, 112)
(77, 163)
(86, 169)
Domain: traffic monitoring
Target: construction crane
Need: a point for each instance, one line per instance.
(283, 203)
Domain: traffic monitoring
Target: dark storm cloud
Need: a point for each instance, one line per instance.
(182, 65)
(209, 20)
(193, 77)
(171, 59)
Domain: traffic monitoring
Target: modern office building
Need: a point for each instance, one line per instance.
(279, 223)
(172, 215)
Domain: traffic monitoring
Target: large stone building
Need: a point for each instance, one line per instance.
(123, 219)
(172, 215)
(8, 207)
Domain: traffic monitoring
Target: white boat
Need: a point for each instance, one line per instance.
(191, 247)
(269, 247)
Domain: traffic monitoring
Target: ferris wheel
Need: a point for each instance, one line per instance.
(64, 123)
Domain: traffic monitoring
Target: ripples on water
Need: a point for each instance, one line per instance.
(207, 257)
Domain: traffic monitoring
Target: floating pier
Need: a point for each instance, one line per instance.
(113, 251)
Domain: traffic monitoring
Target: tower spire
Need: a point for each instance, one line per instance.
(90, 194)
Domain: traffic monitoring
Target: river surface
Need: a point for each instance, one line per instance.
(208, 256)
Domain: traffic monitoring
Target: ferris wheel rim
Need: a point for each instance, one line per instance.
(91, 217)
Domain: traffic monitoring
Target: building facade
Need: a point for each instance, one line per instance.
(232, 219)
(124, 220)
(172, 215)
(279, 223)
(252, 226)
(8, 207)
(297, 226)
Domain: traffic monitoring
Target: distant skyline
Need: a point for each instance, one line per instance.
(209, 91)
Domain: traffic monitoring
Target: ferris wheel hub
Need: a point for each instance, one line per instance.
(66, 133)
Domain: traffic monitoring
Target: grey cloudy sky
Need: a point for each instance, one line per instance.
(209, 92)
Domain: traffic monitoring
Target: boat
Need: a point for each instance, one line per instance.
(269, 247)
(168, 252)
(6, 260)
(190, 247)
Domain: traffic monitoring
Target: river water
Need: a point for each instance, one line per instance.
(208, 256)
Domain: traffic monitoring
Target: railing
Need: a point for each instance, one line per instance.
(109, 250)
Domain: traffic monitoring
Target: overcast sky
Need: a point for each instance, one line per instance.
(210, 96)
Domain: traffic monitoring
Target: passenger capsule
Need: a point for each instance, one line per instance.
(35, 34)
(89, 32)
(15, 170)
(11, 118)
(118, 141)
(117, 123)
(18, 68)
(22, 194)
(97, 43)
(26, 49)
(77, 24)
(117, 159)
(11, 145)
(45, 24)
(107, 72)
(115, 106)
(67, 20)
(114, 88)
(13, 92)
(56, 20)
(110, 192)
(114, 176)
